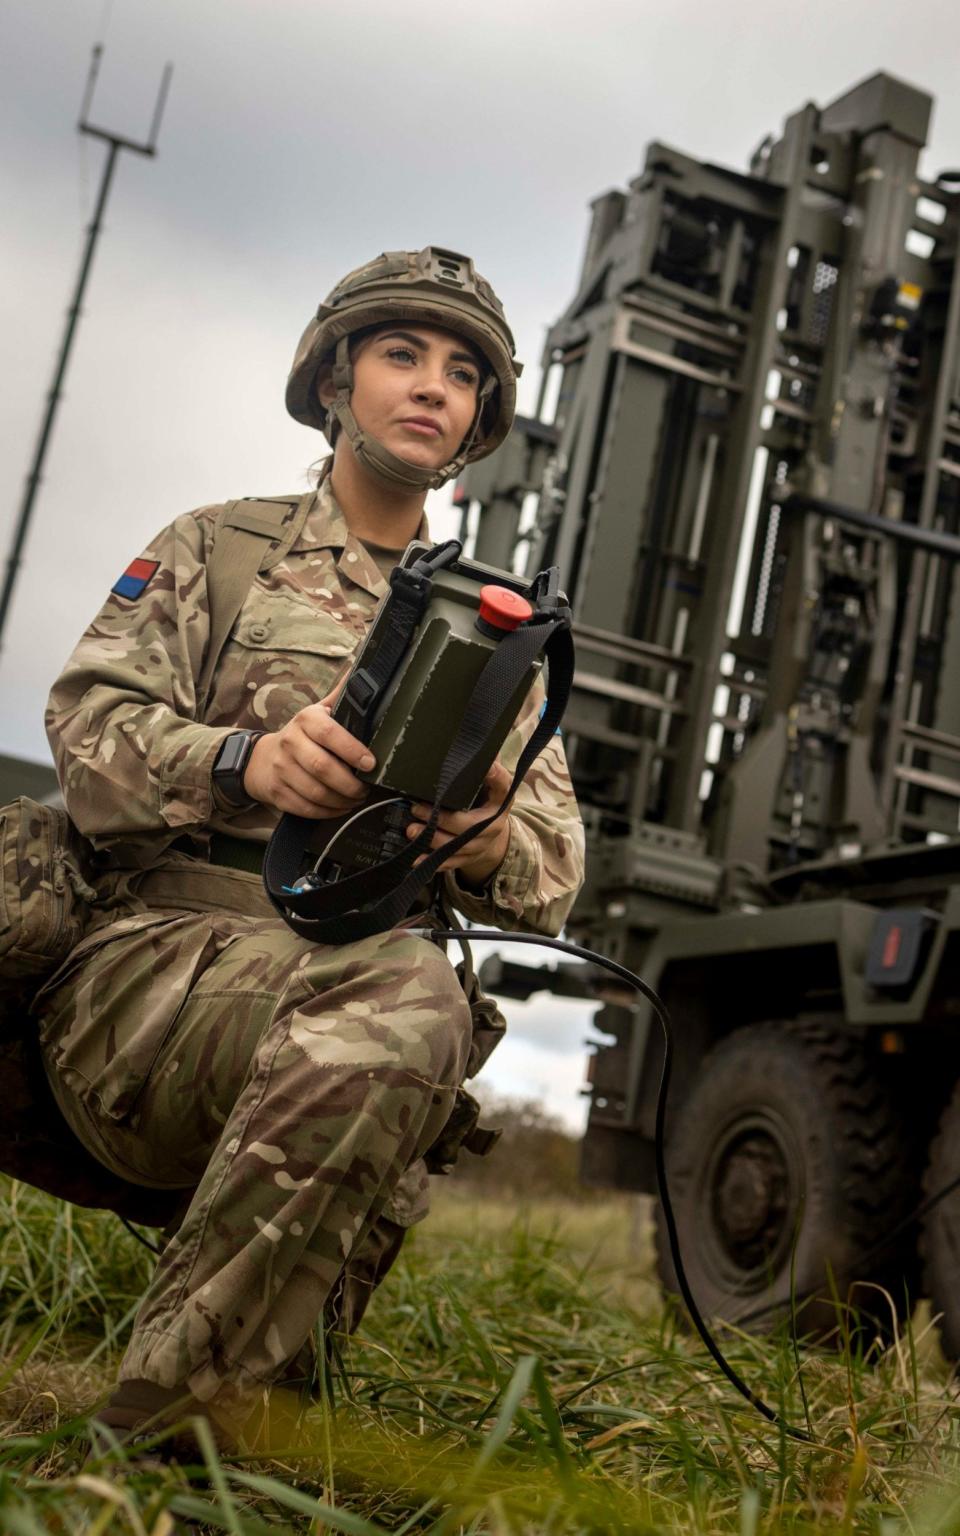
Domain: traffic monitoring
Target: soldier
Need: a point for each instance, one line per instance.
(286, 1091)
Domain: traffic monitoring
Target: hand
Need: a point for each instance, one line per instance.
(484, 854)
(307, 767)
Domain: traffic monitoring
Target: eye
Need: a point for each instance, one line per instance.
(468, 376)
(405, 354)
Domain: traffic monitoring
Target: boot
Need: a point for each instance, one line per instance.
(136, 1411)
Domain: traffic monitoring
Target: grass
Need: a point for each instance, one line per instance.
(517, 1373)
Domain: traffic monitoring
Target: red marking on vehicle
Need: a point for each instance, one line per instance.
(891, 948)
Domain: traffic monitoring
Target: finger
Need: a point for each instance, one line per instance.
(456, 861)
(471, 850)
(496, 785)
(329, 772)
(450, 821)
(316, 724)
(438, 840)
(294, 804)
(338, 788)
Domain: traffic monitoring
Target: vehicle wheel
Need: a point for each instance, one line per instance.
(940, 1241)
(787, 1139)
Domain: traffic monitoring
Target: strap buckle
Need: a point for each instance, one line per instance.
(361, 691)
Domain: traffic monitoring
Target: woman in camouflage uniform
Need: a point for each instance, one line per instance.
(192, 1041)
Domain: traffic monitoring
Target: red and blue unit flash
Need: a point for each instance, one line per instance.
(135, 578)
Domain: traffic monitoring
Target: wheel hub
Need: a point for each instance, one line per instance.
(751, 1197)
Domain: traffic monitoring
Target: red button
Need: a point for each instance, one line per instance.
(502, 608)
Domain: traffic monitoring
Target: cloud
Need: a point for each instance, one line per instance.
(519, 1070)
(300, 139)
(545, 1051)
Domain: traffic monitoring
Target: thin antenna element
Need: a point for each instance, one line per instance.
(85, 126)
(91, 80)
(115, 142)
(161, 103)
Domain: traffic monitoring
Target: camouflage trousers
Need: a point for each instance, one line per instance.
(291, 1087)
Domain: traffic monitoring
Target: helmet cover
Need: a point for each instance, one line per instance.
(435, 287)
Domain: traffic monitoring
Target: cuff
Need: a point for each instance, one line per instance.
(507, 889)
(186, 776)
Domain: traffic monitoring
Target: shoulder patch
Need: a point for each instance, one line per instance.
(135, 578)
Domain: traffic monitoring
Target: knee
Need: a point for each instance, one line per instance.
(448, 1037)
(429, 1008)
(392, 1003)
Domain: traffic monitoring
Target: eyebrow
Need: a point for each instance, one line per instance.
(416, 341)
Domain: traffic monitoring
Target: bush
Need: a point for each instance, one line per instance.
(536, 1157)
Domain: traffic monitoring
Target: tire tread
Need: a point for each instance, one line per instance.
(868, 1135)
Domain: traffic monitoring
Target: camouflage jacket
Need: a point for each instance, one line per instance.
(135, 760)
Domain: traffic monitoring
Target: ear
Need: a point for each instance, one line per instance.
(323, 384)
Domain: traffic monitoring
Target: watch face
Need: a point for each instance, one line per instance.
(231, 754)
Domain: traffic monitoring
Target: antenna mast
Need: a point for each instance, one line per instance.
(115, 142)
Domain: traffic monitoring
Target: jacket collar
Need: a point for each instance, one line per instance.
(326, 528)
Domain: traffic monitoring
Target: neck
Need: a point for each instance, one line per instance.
(383, 514)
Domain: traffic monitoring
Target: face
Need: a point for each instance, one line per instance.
(415, 390)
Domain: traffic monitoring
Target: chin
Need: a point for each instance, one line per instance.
(422, 455)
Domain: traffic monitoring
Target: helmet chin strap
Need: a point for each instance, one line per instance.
(377, 459)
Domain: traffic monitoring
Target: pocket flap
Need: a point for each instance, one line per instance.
(41, 914)
(290, 626)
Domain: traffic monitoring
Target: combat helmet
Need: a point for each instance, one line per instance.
(436, 287)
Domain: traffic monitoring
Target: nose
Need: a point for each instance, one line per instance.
(430, 386)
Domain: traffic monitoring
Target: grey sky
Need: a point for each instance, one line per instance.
(302, 137)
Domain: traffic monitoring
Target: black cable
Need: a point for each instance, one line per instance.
(468, 935)
(139, 1236)
(495, 935)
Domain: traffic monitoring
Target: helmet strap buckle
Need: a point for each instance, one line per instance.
(342, 371)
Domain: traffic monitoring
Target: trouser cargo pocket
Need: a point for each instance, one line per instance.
(105, 1016)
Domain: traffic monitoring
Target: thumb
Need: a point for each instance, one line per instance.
(497, 780)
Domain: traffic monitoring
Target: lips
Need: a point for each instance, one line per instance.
(423, 424)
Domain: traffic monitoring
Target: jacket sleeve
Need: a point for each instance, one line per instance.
(121, 719)
(542, 870)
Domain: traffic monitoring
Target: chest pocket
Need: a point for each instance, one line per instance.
(282, 655)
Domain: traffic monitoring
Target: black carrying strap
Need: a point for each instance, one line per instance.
(378, 899)
(410, 588)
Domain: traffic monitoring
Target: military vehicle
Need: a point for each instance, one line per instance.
(751, 482)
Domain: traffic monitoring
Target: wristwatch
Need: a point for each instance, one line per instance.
(230, 764)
